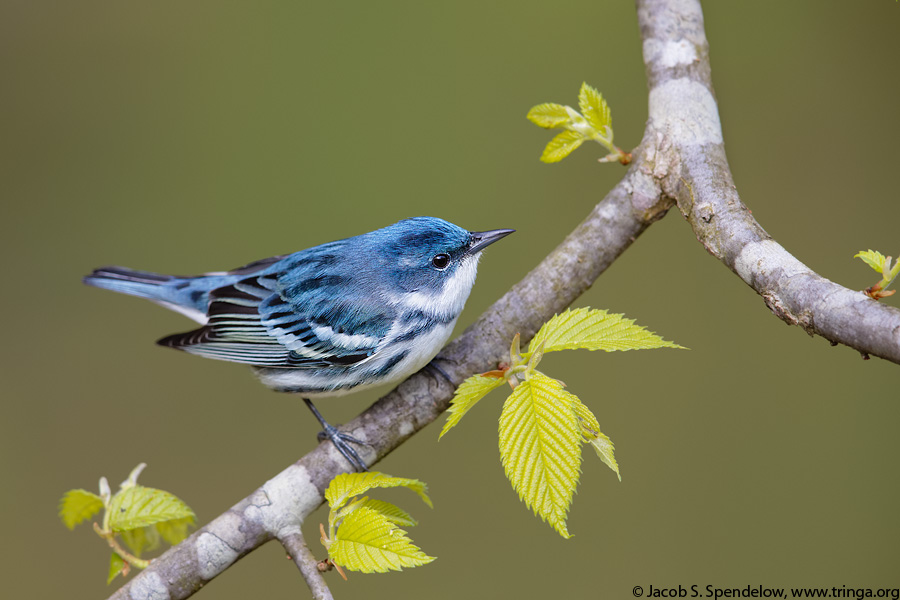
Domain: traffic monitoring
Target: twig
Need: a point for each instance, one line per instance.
(300, 553)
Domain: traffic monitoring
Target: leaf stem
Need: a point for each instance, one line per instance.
(128, 557)
(617, 154)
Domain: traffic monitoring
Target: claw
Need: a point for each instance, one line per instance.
(339, 439)
(433, 367)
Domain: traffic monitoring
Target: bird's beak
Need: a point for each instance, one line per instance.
(482, 239)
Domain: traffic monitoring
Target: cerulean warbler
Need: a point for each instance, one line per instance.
(346, 315)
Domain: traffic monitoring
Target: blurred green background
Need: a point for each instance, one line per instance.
(184, 137)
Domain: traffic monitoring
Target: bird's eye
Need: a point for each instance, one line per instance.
(440, 261)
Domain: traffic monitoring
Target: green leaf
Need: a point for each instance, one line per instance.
(873, 258)
(604, 448)
(140, 506)
(174, 531)
(116, 564)
(140, 539)
(540, 447)
(346, 485)
(367, 541)
(590, 429)
(392, 513)
(467, 395)
(595, 110)
(561, 146)
(77, 506)
(593, 329)
(548, 115)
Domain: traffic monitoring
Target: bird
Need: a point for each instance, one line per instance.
(336, 318)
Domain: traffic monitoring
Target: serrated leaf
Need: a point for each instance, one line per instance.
(174, 531)
(391, 512)
(140, 506)
(590, 429)
(873, 258)
(77, 506)
(367, 541)
(588, 422)
(593, 329)
(604, 448)
(595, 109)
(116, 564)
(346, 485)
(540, 447)
(467, 395)
(561, 146)
(140, 539)
(548, 115)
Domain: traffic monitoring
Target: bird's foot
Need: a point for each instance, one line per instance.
(342, 442)
(339, 439)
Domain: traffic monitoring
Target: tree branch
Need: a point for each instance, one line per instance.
(681, 159)
(689, 158)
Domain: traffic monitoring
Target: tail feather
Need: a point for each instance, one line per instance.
(128, 281)
(126, 274)
(186, 295)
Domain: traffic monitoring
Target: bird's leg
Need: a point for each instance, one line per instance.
(340, 439)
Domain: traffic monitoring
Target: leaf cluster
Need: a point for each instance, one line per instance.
(363, 533)
(140, 515)
(882, 265)
(542, 425)
(593, 123)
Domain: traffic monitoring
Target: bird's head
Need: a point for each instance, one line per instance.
(433, 262)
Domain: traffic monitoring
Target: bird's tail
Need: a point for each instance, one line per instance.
(186, 295)
(128, 281)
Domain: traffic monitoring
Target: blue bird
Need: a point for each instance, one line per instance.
(346, 315)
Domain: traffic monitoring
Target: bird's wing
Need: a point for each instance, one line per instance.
(271, 320)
